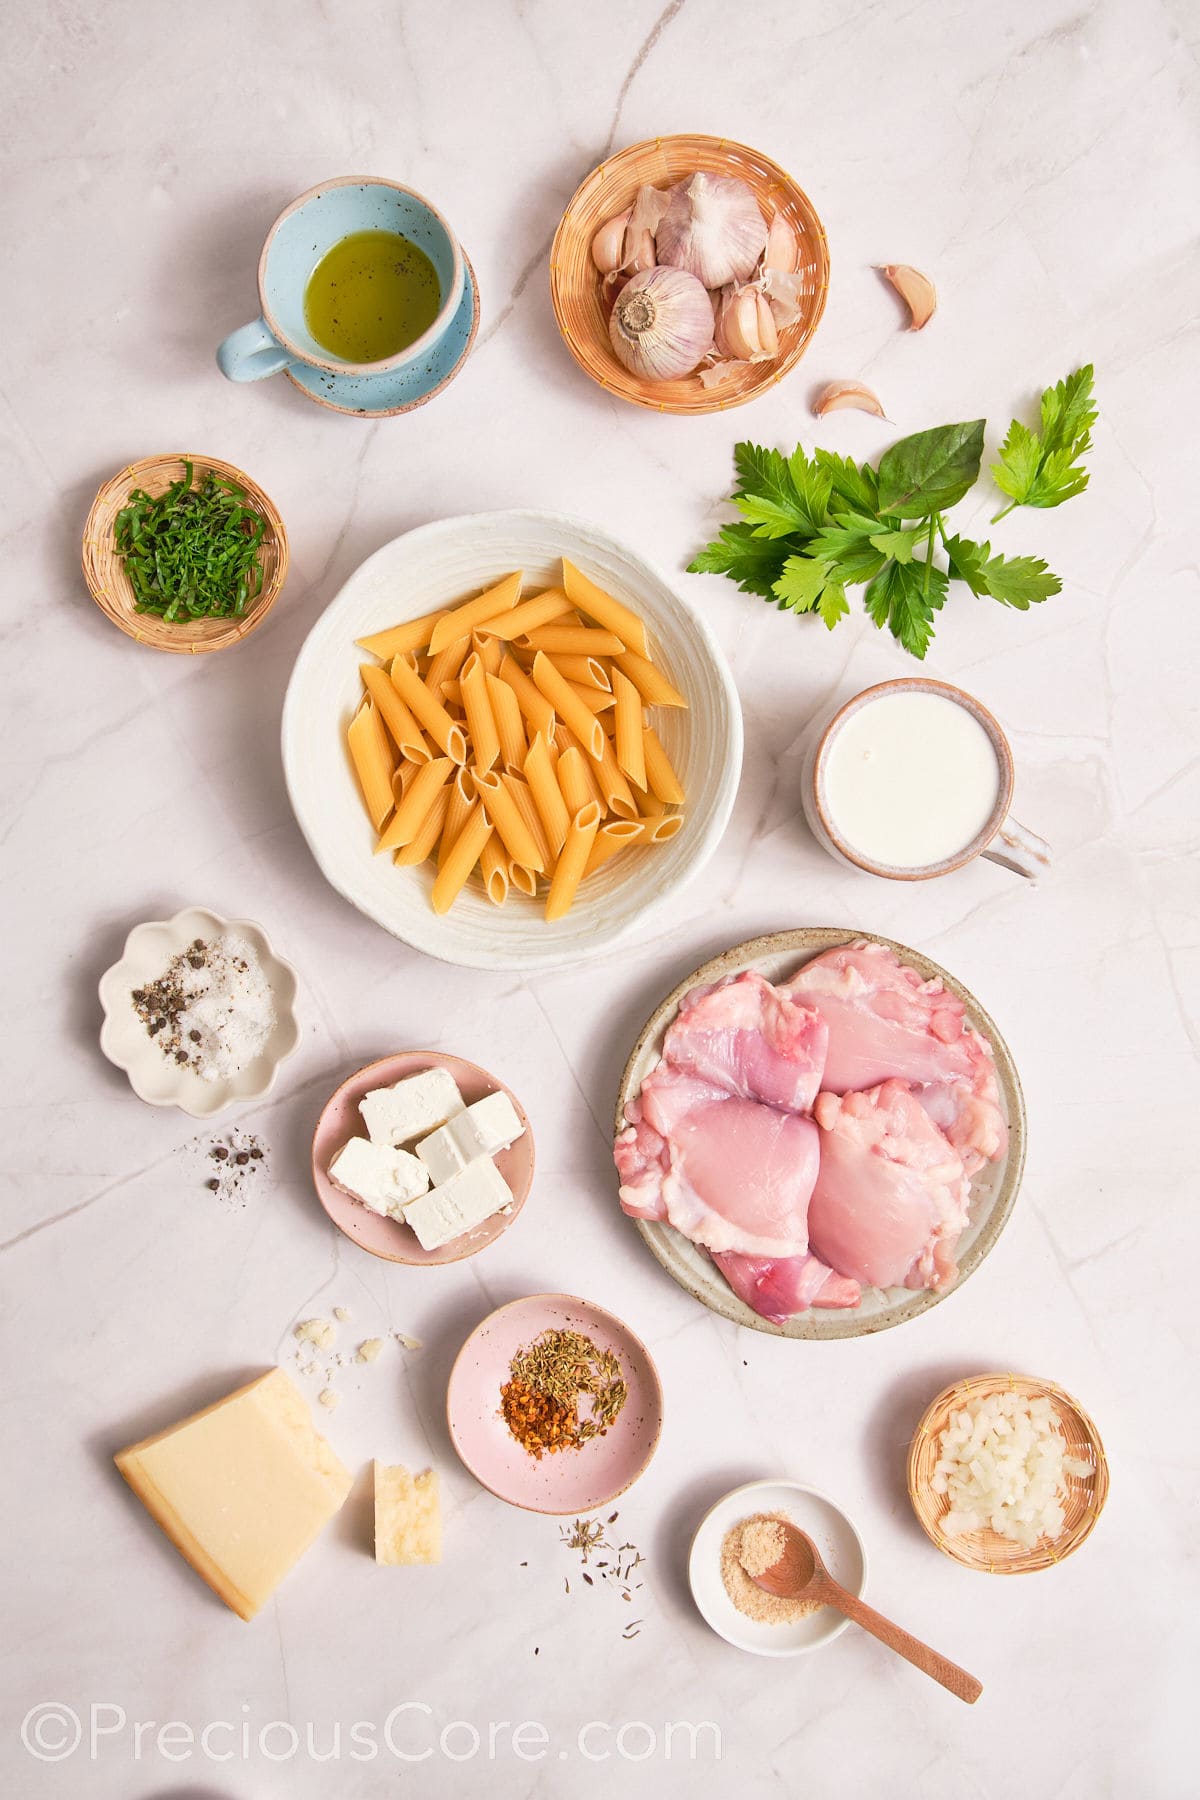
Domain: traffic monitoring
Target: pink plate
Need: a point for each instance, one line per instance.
(571, 1481)
(390, 1238)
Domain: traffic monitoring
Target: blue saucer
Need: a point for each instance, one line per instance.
(399, 390)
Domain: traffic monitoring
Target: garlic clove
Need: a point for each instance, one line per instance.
(713, 229)
(915, 289)
(785, 293)
(661, 324)
(768, 336)
(783, 245)
(737, 324)
(639, 252)
(608, 243)
(841, 394)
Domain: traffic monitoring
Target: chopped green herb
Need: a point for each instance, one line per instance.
(191, 552)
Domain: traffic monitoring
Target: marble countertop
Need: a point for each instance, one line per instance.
(1035, 159)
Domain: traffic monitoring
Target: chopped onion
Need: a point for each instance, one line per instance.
(1002, 1465)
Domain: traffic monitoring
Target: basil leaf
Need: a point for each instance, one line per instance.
(930, 471)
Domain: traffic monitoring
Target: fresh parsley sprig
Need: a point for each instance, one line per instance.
(813, 525)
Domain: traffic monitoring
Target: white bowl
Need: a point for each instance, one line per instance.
(441, 563)
(126, 1042)
(841, 1548)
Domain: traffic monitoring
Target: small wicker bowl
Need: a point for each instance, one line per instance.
(110, 587)
(987, 1550)
(575, 285)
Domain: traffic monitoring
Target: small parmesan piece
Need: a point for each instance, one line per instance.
(328, 1398)
(408, 1524)
(341, 1314)
(369, 1349)
(320, 1333)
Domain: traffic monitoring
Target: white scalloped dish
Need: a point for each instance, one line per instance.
(441, 564)
(125, 1041)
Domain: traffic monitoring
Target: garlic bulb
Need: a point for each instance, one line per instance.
(662, 324)
(712, 228)
(608, 245)
(746, 326)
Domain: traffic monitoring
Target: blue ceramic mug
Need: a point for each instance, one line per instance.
(296, 242)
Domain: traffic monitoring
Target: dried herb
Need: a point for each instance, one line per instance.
(540, 1402)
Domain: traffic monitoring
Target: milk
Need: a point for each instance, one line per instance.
(910, 779)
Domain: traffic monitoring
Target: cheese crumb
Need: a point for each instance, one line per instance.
(368, 1350)
(407, 1343)
(328, 1398)
(341, 1313)
(320, 1333)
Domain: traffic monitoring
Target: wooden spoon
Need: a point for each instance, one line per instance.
(800, 1572)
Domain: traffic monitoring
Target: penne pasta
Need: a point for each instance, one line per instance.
(531, 818)
(661, 778)
(507, 714)
(462, 621)
(414, 808)
(426, 840)
(412, 634)
(535, 706)
(374, 760)
(493, 866)
(649, 805)
(576, 778)
(567, 704)
(445, 665)
(488, 650)
(504, 815)
(597, 700)
(614, 835)
(538, 610)
(609, 614)
(395, 713)
(403, 777)
(615, 791)
(585, 671)
(573, 640)
(460, 859)
(458, 810)
(429, 711)
(568, 872)
(630, 723)
(650, 682)
(524, 880)
(547, 795)
(481, 725)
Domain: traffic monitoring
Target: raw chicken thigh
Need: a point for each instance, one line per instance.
(730, 1174)
(747, 1037)
(883, 1020)
(891, 1194)
(779, 1288)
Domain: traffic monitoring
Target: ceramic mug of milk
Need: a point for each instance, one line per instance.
(914, 778)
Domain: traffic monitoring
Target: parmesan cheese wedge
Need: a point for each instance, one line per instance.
(241, 1489)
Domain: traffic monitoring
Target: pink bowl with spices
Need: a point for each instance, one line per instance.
(567, 1481)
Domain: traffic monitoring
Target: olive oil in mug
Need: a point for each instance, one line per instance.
(371, 295)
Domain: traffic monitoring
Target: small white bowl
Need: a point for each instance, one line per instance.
(438, 565)
(841, 1549)
(126, 1042)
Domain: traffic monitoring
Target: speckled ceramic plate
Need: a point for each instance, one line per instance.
(392, 1239)
(834, 1534)
(993, 1191)
(570, 1481)
(125, 1041)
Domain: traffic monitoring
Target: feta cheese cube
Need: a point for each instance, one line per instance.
(459, 1204)
(419, 1104)
(489, 1125)
(379, 1176)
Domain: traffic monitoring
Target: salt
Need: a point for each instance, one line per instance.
(212, 1009)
